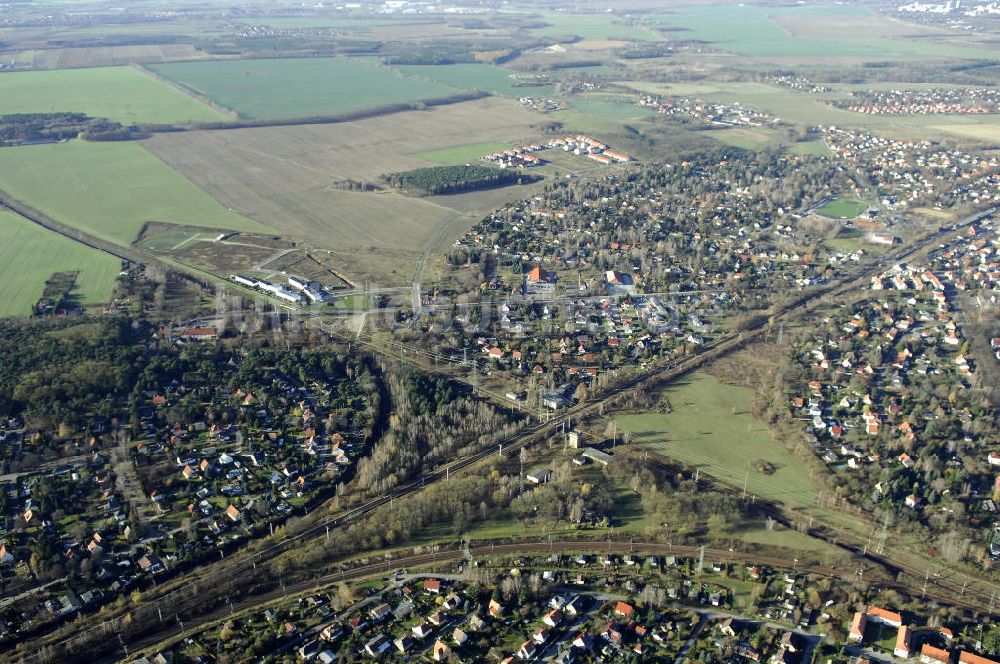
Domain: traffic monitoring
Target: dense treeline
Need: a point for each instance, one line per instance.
(56, 373)
(35, 127)
(453, 179)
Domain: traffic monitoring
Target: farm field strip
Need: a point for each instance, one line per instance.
(30, 254)
(110, 189)
(593, 27)
(123, 94)
(287, 176)
(497, 80)
(752, 30)
(298, 87)
(461, 154)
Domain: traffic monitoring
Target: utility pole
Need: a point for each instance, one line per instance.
(883, 535)
(746, 480)
(522, 457)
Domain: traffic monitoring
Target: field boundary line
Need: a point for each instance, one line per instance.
(187, 92)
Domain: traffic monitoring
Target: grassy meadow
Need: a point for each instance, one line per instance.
(298, 87)
(711, 428)
(30, 254)
(117, 93)
(110, 189)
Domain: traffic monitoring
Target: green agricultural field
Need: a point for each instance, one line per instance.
(462, 154)
(615, 109)
(750, 30)
(478, 77)
(118, 93)
(30, 254)
(299, 87)
(988, 132)
(711, 428)
(308, 22)
(592, 26)
(843, 208)
(110, 189)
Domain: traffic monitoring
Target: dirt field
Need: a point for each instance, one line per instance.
(284, 177)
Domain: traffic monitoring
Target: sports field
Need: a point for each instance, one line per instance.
(109, 189)
(30, 254)
(711, 428)
(842, 208)
(478, 77)
(118, 93)
(299, 87)
(754, 30)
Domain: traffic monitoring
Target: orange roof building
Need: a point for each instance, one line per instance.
(931, 655)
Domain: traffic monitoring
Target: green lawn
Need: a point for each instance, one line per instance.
(110, 189)
(478, 77)
(780, 536)
(843, 208)
(30, 254)
(118, 93)
(592, 26)
(711, 428)
(462, 154)
(815, 148)
(748, 29)
(299, 87)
